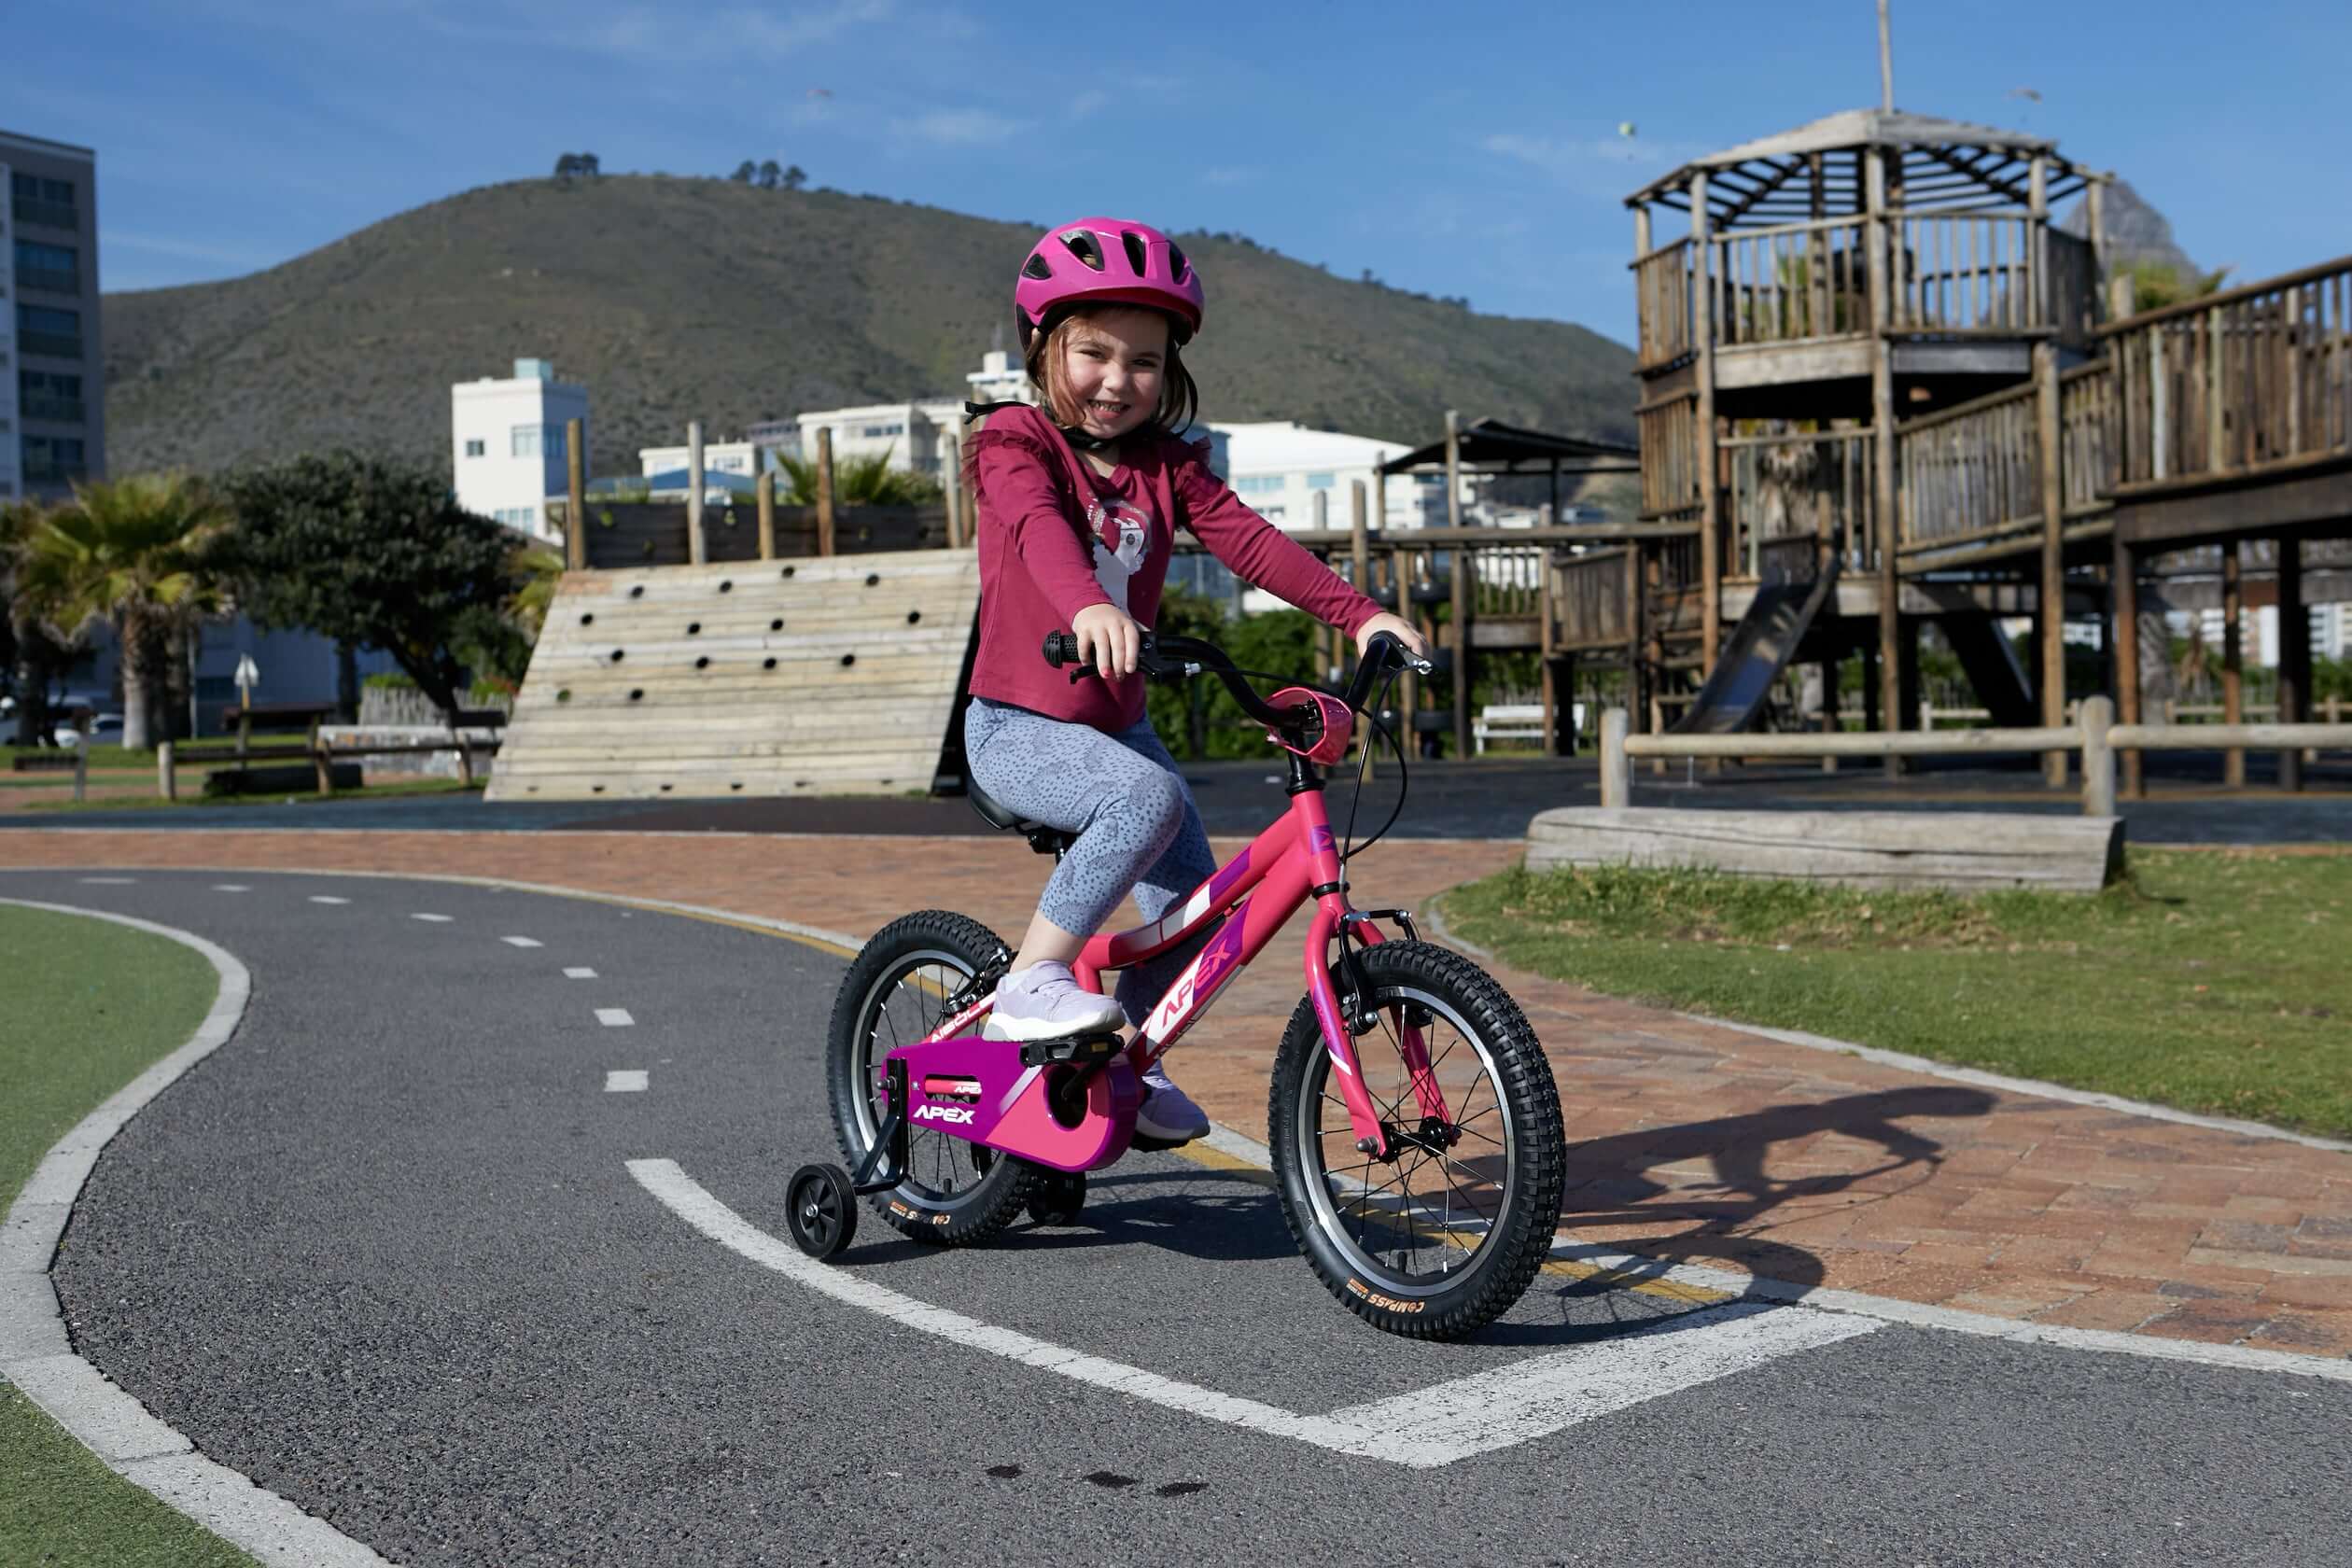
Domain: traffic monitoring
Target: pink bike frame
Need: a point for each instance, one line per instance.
(1293, 859)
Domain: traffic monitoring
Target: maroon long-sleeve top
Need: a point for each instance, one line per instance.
(1035, 496)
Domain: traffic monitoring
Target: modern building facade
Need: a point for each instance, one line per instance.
(507, 443)
(54, 408)
(1281, 468)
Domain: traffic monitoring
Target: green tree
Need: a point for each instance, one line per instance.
(374, 552)
(2157, 283)
(771, 174)
(130, 553)
(867, 481)
(744, 170)
(29, 657)
(794, 177)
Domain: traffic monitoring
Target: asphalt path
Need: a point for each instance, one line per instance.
(395, 1251)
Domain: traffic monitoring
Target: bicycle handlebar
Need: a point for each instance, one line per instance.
(1178, 657)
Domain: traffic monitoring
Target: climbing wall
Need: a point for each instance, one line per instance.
(813, 676)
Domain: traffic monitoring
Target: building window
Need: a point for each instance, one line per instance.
(1261, 484)
(877, 432)
(46, 202)
(1318, 482)
(473, 449)
(54, 459)
(524, 441)
(56, 333)
(55, 268)
(47, 395)
(552, 436)
(1270, 514)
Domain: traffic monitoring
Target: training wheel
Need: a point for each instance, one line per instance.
(821, 1210)
(1058, 1196)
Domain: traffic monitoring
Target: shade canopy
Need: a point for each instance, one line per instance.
(1491, 446)
(1817, 170)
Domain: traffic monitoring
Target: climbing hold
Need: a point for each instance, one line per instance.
(636, 692)
(848, 659)
(873, 578)
(693, 628)
(788, 571)
(588, 620)
(703, 662)
(912, 616)
(769, 664)
(776, 624)
(726, 585)
(616, 655)
(638, 591)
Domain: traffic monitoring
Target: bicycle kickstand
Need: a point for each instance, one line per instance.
(889, 1144)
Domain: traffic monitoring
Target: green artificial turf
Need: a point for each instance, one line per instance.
(2212, 981)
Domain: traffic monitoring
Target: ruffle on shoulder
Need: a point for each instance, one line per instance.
(1022, 431)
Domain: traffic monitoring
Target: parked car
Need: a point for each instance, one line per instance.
(106, 729)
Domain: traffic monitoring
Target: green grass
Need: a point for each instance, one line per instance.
(2215, 982)
(105, 1002)
(192, 794)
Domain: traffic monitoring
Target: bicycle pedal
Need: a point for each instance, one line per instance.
(1078, 1050)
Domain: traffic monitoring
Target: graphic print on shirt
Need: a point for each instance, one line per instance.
(1114, 566)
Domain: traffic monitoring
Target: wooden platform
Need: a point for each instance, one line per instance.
(1967, 851)
(833, 676)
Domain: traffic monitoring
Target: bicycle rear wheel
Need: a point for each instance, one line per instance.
(914, 975)
(1444, 1235)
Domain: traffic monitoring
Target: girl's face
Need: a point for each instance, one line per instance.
(1112, 366)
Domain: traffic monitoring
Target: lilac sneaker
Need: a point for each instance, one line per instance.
(1167, 1117)
(1044, 1001)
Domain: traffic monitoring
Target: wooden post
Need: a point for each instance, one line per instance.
(695, 553)
(2051, 454)
(324, 763)
(1359, 542)
(767, 515)
(1453, 469)
(166, 777)
(824, 490)
(1636, 629)
(2098, 758)
(576, 495)
(1545, 657)
(2233, 660)
(1654, 650)
(1873, 690)
(81, 766)
(1710, 503)
(954, 489)
(2294, 656)
(1462, 571)
(2123, 627)
(465, 753)
(1617, 768)
(2094, 199)
(1882, 428)
(1907, 684)
(1831, 724)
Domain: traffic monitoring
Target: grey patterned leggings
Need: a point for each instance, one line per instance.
(1136, 827)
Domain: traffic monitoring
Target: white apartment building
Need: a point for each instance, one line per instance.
(718, 457)
(12, 466)
(507, 443)
(1280, 467)
(2258, 632)
(912, 434)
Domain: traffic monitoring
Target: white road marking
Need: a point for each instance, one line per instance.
(628, 1080)
(436, 919)
(327, 898)
(580, 974)
(231, 887)
(1471, 1415)
(110, 881)
(614, 1017)
(522, 942)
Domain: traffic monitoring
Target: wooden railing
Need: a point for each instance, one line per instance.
(1793, 495)
(2237, 383)
(1592, 595)
(2086, 434)
(1507, 582)
(1971, 474)
(1661, 285)
(1964, 273)
(1792, 283)
(1669, 458)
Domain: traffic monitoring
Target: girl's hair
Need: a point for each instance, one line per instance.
(1180, 400)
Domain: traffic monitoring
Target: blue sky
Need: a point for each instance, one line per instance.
(1469, 149)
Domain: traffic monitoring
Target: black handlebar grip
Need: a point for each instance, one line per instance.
(1061, 648)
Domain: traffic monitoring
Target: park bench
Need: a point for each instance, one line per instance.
(1507, 721)
(46, 761)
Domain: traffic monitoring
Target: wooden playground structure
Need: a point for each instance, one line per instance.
(1878, 387)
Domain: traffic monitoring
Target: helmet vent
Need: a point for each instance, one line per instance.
(1134, 253)
(1036, 267)
(1177, 265)
(1081, 244)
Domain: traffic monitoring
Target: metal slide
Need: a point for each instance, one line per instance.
(1758, 648)
(1992, 667)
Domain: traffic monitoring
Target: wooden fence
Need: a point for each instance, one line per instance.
(1796, 494)
(626, 534)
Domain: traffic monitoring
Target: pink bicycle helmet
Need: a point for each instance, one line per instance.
(1106, 261)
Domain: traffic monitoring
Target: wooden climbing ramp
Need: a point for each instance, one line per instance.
(808, 676)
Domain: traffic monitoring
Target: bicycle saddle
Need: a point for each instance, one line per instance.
(1045, 840)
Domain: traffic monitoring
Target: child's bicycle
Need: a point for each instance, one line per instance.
(1414, 1126)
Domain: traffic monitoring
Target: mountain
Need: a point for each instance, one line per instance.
(675, 299)
(2135, 231)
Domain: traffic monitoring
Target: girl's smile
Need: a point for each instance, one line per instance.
(1113, 369)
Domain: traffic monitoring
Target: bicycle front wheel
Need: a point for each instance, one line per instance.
(1444, 1233)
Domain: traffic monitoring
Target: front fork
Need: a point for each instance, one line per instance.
(1343, 1015)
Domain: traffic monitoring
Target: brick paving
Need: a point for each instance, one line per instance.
(1691, 1141)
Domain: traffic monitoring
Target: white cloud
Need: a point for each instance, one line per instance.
(1591, 165)
(960, 127)
(1092, 101)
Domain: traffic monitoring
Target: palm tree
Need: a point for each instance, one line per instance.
(867, 481)
(30, 656)
(128, 552)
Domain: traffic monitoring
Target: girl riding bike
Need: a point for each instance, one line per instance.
(1078, 504)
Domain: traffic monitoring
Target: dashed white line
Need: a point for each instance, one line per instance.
(327, 898)
(231, 887)
(110, 881)
(436, 919)
(625, 1081)
(582, 974)
(614, 1017)
(522, 942)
